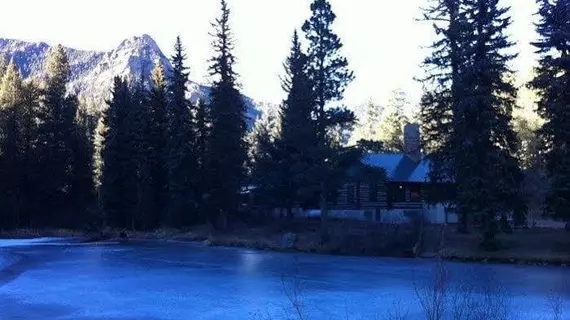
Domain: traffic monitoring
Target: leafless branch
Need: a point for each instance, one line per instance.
(556, 304)
(397, 311)
(433, 295)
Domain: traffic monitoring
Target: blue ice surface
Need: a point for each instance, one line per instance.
(27, 242)
(177, 281)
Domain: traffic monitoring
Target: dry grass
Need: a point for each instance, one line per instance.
(39, 233)
(537, 246)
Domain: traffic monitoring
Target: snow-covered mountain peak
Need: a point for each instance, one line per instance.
(139, 42)
(143, 47)
(92, 72)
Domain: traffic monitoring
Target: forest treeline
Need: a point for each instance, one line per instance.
(154, 158)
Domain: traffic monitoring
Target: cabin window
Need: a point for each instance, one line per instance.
(350, 194)
(398, 193)
(415, 193)
(373, 193)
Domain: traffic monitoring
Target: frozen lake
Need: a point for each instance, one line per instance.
(176, 281)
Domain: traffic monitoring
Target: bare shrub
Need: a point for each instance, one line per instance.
(433, 295)
(470, 301)
(492, 304)
(556, 304)
(462, 299)
(260, 316)
(397, 311)
(293, 290)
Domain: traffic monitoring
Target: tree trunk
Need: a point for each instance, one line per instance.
(324, 214)
(489, 232)
(223, 221)
(358, 203)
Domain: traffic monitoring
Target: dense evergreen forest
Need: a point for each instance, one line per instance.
(155, 159)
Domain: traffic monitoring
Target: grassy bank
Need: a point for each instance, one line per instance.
(39, 233)
(525, 246)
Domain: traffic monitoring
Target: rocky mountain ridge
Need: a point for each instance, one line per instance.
(92, 72)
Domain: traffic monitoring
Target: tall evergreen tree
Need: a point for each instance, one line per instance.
(97, 161)
(553, 82)
(158, 105)
(488, 172)
(443, 90)
(118, 190)
(18, 129)
(469, 109)
(368, 124)
(29, 126)
(329, 74)
(181, 157)
(140, 119)
(227, 152)
(82, 187)
(203, 127)
(283, 163)
(12, 165)
(393, 122)
(3, 65)
(328, 69)
(202, 132)
(56, 129)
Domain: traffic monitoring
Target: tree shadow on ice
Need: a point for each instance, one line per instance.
(125, 317)
(17, 265)
(16, 309)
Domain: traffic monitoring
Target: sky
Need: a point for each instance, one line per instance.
(382, 39)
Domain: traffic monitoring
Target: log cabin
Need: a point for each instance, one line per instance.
(398, 197)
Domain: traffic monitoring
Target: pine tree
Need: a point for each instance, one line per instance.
(11, 85)
(328, 70)
(443, 90)
(552, 82)
(158, 105)
(140, 118)
(18, 166)
(181, 158)
(3, 65)
(202, 132)
(393, 122)
(283, 162)
(488, 171)
(227, 152)
(12, 165)
(203, 127)
(82, 187)
(55, 132)
(437, 128)
(118, 190)
(329, 74)
(98, 146)
(368, 128)
(467, 110)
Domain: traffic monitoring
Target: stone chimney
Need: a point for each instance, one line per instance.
(412, 145)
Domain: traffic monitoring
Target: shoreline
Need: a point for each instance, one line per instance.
(273, 245)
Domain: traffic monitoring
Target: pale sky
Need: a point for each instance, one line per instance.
(381, 38)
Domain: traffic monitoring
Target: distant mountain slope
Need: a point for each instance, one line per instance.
(92, 72)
